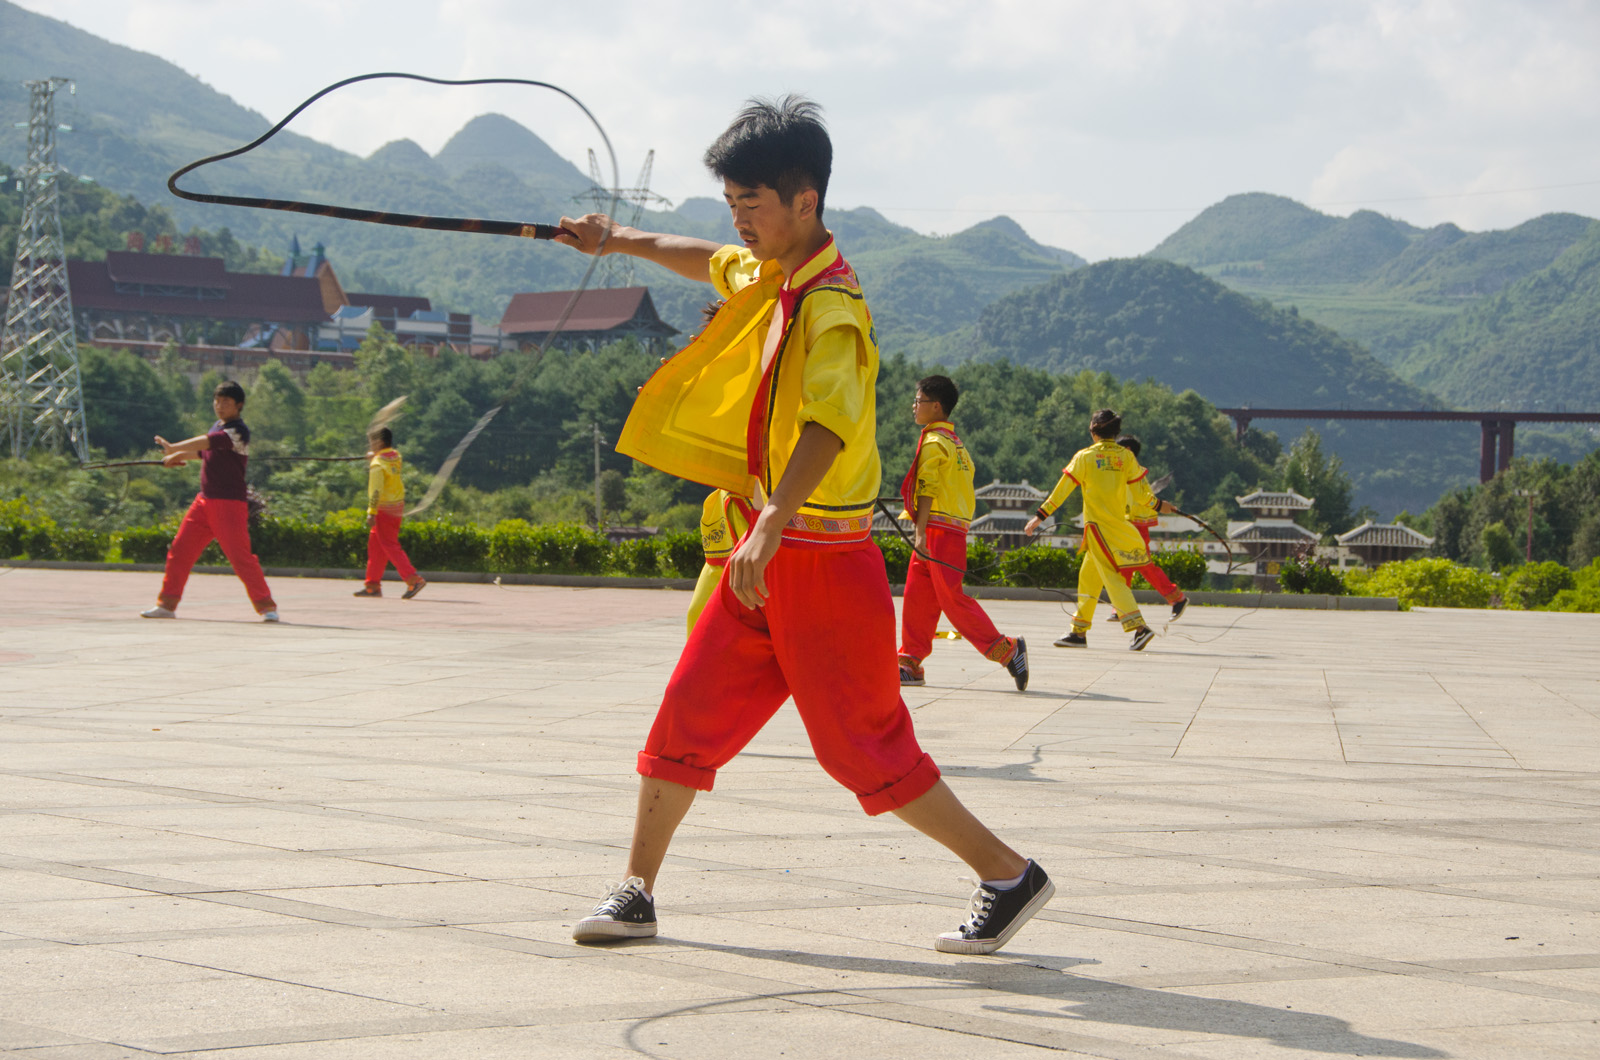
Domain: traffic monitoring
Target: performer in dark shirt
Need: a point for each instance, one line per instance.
(219, 512)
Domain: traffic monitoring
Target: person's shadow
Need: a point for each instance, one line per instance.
(1031, 985)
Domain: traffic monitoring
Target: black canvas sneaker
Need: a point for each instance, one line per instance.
(1142, 636)
(1072, 640)
(624, 913)
(1017, 666)
(996, 915)
(1178, 608)
(911, 677)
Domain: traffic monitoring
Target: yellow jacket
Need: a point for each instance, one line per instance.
(699, 417)
(724, 519)
(942, 469)
(1104, 470)
(385, 491)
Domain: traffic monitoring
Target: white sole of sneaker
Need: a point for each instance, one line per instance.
(607, 930)
(981, 946)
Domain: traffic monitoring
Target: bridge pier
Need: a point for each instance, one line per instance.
(1495, 447)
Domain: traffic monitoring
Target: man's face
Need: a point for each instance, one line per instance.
(926, 410)
(226, 408)
(768, 228)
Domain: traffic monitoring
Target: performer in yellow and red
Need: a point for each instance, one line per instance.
(220, 512)
(937, 492)
(1145, 510)
(724, 518)
(774, 401)
(1111, 544)
(386, 505)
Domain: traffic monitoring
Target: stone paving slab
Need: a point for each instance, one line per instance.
(366, 832)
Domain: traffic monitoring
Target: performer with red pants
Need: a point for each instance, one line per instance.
(938, 489)
(1144, 511)
(775, 401)
(220, 512)
(386, 502)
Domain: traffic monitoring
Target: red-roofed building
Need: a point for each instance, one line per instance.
(599, 317)
(174, 297)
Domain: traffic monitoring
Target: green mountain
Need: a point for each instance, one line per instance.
(1535, 344)
(1146, 318)
(1384, 283)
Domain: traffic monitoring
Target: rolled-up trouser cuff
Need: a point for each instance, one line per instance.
(908, 789)
(676, 772)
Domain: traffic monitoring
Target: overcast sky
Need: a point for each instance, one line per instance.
(1100, 126)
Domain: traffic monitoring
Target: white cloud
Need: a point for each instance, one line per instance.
(948, 111)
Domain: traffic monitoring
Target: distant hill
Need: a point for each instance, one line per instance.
(1145, 318)
(1382, 282)
(1535, 344)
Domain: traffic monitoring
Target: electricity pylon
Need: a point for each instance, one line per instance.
(41, 386)
(616, 270)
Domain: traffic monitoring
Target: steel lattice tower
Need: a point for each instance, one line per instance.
(42, 395)
(616, 270)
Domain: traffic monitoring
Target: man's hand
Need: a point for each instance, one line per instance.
(1033, 526)
(166, 446)
(593, 233)
(372, 520)
(747, 568)
(919, 541)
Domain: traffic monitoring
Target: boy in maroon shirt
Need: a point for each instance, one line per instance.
(221, 510)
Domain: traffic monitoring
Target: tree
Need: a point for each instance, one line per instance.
(1306, 471)
(385, 366)
(125, 402)
(1499, 550)
(278, 406)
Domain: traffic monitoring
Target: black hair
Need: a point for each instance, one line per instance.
(779, 143)
(1130, 443)
(1105, 424)
(230, 389)
(384, 436)
(942, 389)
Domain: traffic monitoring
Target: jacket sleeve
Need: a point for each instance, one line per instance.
(1058, 495)
(833, 386)
(932, 467)
(732, 269)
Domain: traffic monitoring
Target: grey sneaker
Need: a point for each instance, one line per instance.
(996, 915)
(158, 612)
(626, 912)
(269, 616)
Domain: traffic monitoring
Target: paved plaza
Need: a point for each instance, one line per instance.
(366, 833)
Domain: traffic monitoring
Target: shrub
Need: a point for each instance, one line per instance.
(1583, 595)
(896, 556)
(1040, 566)
(983, 563)
(144, 544)
(79, 543)
(638, 558)
(1302, 574)
(680, 554)
(1186, 568)
(435, 545)
(24, 531)
(517, 546)
(1533, 585)
(1428, 582)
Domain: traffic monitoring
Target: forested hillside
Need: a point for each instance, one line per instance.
(1535, 344)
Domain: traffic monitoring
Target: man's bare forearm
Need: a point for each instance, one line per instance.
(598, 234)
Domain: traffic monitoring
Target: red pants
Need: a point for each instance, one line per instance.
(826, 637)
(932, 588)
(383, 548)
(229, 523)
(1153, 574)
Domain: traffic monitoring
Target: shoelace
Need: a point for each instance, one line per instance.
(617, 896)
(982, 904)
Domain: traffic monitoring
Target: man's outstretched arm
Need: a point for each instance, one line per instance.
(684, 255)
